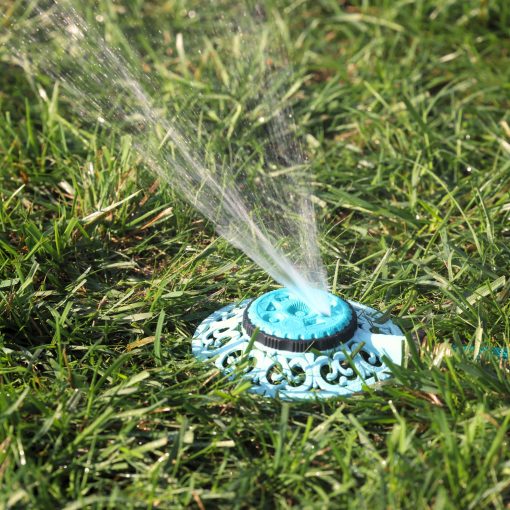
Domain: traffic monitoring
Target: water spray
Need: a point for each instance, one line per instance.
(289, 351)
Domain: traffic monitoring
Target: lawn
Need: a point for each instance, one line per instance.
(105, 272)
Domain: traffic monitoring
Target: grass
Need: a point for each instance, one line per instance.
(104, 274)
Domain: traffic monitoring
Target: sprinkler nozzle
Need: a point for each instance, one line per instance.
(285, 322)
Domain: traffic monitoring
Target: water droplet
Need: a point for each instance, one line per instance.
(75, 30)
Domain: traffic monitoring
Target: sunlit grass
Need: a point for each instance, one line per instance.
(404, 113)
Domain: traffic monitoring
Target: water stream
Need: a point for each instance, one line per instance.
(231, 72)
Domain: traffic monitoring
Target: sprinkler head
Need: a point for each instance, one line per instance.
(288, 351)
(281, 321)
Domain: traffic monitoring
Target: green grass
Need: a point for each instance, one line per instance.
(104, 274)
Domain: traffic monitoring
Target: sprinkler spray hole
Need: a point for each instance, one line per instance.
(273, 318)
(298, 309)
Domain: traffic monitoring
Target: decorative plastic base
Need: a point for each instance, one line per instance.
(342, 370)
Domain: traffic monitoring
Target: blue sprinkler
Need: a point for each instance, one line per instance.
(287, 350)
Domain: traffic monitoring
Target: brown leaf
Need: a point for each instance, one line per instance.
(162, 214)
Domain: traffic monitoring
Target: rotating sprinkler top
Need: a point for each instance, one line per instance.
(280, 321)
(287, 350)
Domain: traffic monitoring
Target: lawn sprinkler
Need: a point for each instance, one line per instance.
(289, 351)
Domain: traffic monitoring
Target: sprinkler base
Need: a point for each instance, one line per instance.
(340, 371)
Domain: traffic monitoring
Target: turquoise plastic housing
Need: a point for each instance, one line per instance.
(282, 314)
